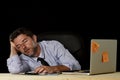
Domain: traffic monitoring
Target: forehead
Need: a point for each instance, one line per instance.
(20, 37)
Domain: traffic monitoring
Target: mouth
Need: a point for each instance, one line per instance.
(29, 53)
(26, 50)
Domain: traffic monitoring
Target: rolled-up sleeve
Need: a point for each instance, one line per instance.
(16, 65)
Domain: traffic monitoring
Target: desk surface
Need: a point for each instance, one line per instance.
(109, 76)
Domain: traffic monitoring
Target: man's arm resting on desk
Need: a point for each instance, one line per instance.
(15, 65)
(51, 69)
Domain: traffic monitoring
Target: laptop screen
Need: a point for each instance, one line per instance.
(103, 54)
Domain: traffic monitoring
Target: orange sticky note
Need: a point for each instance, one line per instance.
(94, 47)
(105, 57)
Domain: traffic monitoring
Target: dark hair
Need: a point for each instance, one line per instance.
(19, 31)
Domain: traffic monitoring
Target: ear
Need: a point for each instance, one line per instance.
(35, 38)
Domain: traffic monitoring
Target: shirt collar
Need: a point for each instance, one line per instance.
(42, 55)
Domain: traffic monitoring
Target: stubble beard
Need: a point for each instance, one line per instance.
(34, 50)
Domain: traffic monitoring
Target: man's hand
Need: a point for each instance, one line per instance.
(44, 69)
(51, 69)
(13, 49)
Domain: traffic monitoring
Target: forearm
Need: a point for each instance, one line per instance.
(60, 68)
(51, 69)
(15, 65)
(13, 53)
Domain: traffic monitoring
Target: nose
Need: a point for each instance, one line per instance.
(23, 46)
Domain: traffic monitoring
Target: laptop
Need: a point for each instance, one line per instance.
(103, 54)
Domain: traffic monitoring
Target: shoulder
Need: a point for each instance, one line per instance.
(50, 42)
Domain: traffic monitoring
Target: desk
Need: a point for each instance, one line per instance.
(110, 76)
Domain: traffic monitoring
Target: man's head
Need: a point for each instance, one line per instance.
(19, 31)
(25, 41)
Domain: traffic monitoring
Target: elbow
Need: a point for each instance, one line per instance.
(76, 67)
(14, 70)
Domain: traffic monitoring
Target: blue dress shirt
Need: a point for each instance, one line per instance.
(52, 51)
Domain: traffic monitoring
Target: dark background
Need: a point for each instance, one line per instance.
(89, 22)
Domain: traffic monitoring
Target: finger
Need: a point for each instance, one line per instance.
(45, 71)
(41, 70)
(38, 69)
(12, 44)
